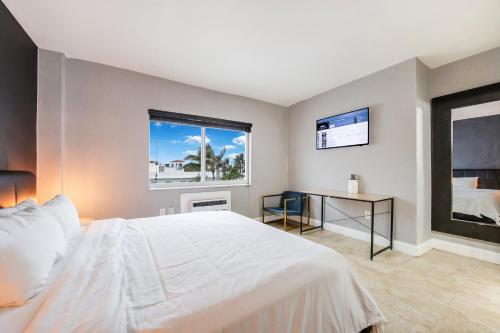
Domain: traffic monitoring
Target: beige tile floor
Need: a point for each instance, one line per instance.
(436, 292)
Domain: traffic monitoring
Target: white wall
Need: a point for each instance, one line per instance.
(472, 72)
(386, 166)
(106, 138)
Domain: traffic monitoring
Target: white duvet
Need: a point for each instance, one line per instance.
(198, 272)
(476, 202)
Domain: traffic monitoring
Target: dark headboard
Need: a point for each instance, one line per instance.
(488, 178)
(16, 186)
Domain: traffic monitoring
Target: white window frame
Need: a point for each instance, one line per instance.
(203, 183)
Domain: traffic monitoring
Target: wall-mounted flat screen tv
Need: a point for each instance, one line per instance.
(343, 130)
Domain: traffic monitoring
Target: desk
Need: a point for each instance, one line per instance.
(362, 197)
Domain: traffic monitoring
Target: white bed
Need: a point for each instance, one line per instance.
(198, 272)
(476, 202)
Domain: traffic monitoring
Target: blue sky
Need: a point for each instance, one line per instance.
(174, 141)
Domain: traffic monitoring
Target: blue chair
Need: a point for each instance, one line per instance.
(291, 204)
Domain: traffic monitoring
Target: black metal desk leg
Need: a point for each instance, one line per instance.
(392, 219)
(301, 212)
(322, 211)
(372, 230)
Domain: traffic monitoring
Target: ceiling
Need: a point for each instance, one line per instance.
(279, 51)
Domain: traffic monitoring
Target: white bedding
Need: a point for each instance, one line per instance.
(476, 202)
(199, 272)
(16, 319)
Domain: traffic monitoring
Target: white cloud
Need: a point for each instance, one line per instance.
(233, 155)
(228, 147)
(195, 139)
(175, 141)
(190, 152)
(240, 141)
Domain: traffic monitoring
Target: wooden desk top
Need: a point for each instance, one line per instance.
(367, 197)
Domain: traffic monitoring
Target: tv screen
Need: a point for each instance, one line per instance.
(343, 130)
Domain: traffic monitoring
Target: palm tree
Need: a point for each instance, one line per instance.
(215, 162)
(195, 164)
(239, 163)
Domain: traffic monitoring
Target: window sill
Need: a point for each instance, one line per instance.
(188, 187)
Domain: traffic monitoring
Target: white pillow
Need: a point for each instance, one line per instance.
(465, 182)
(66, 214)
(30, 243)
(8, 211)
(18, 207)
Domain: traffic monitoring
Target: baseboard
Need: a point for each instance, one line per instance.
(466, 250)
(407, 248)
(424, 247)
(268, 218)
(403, 247)
(353, 233)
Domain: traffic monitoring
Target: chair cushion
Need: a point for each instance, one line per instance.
(292, 204)
(281, 211)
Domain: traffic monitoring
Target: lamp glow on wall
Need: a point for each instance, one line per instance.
(16, 186)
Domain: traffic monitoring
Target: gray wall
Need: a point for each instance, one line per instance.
(423, 160)
(476, 143)
(106, 138)
(386, 166)
(18, 89)
(49, 123)
(472, 72)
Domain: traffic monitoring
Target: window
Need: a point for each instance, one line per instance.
(186, 150)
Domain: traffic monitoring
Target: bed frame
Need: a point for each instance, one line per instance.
(16, 186)
(488, 178)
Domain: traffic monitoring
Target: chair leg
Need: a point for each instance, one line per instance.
(284, 221)
(263, 210)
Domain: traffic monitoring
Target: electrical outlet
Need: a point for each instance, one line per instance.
(162, 211)
(368, 214)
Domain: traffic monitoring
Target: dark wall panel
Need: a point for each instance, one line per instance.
(476, 143)
(18, 95)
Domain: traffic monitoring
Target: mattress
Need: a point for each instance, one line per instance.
(198, 272)
(477, 202)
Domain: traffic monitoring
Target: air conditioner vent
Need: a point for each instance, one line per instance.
(209, 203)
(205, 201)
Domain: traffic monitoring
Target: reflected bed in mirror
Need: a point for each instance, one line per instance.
(476, 163)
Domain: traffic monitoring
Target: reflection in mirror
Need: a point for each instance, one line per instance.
(476, 163)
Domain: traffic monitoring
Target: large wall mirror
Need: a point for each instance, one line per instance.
(476, 163)
(466, 163)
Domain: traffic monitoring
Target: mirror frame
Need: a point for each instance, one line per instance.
(441, 108)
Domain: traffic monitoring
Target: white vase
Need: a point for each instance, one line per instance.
(352, 186)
